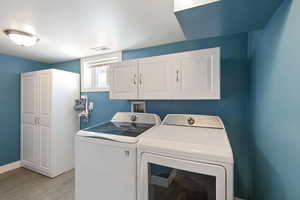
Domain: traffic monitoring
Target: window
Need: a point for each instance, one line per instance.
(101, 74)
(95, 72)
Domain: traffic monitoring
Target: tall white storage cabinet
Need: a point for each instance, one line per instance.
(48, 122)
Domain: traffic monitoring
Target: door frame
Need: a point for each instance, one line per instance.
(197, 167)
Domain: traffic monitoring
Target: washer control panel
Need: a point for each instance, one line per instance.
(131, 117)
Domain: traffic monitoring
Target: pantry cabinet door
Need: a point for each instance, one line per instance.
(28, 119)
(44, 132)
(200, 74)
(157, 78)
(124, 80)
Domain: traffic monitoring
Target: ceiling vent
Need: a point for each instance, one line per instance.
(100, 48)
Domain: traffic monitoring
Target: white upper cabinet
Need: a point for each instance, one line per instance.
(124, 80)
(187, 75)
(157, 78)
(200, 74)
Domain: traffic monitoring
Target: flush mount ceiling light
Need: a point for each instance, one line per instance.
(21, 38)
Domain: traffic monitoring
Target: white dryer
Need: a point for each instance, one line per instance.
(187, 157)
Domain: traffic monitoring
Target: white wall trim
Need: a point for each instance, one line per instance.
(10, 166)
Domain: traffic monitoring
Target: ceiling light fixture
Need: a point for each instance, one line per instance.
(21, 38)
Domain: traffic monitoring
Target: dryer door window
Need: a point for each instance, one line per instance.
(165, 178)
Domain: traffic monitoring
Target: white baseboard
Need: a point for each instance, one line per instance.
(10, 166)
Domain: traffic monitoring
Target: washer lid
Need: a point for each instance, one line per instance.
(124, 127)
(189, 142)
(121, 128)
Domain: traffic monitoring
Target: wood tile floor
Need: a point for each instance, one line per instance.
(22, 184)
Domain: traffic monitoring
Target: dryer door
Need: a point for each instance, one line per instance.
(165, 178)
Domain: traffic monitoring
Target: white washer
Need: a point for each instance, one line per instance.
(105, 157)
(186, 157)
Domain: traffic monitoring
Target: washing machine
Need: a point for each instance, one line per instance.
(105, 157)
(187, 157)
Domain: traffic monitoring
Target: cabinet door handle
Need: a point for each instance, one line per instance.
(36, 120)
(127, 153)
(141, 75)
(177, 75)
(134, 79)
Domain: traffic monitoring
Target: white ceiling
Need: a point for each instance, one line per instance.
(69, 28)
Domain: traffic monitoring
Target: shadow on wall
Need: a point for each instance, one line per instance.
(274, 54)
(271, 179)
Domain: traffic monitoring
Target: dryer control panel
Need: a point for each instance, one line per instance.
(204, 121)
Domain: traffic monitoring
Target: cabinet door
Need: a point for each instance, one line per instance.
(124, 80)
(157, 78)
(200, 74)
(29, 119)
(44, 137)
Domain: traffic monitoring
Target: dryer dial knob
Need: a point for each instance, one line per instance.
(191, 121)
(133, 118)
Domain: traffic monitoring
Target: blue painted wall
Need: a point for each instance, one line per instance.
(104, 108)
(10, 69)
(233, 108)
(275, 86)
(70, 66)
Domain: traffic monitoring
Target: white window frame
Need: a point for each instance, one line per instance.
(94, 61)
